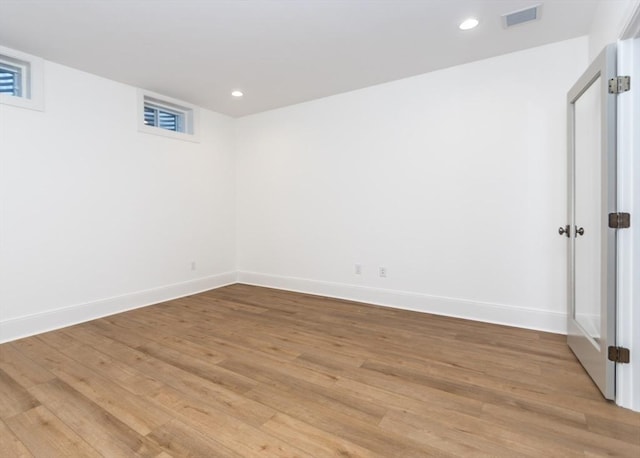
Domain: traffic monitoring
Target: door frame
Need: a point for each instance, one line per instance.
(628, 375)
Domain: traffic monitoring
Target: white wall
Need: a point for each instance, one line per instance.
(96, 217)
(454, 181)
(609, 21)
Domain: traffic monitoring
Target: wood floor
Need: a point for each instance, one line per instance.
(244, 371)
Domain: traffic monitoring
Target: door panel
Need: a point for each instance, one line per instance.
(591, 197)
(587, 122)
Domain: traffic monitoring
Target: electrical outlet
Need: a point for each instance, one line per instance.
(382, 271)
(193, 265)
(358, 269)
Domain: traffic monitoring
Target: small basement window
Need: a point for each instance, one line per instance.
(20, 79)
(165, 116)
(13, 75)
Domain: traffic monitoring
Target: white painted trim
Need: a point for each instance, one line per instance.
(25, 326)
(35, 101)
(461, 308)
(631, 27)
(628, 240)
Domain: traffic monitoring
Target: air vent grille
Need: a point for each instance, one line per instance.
(521, 16)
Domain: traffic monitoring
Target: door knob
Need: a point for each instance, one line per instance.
(564, 230)
(580, 231)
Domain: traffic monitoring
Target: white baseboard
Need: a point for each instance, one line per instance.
(25, 326)
(17, 328)
(541, 320)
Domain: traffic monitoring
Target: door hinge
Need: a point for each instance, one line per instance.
(619, 220)
(619, 84)
(619, 355)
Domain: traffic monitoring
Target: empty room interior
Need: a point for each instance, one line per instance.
(319, 228)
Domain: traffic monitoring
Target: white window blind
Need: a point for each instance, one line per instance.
(10, 79)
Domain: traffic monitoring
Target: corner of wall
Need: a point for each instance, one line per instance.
(610, 21)
(50, 320)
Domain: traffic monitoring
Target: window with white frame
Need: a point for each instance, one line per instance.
(13, 75)
(161, 115)
(20, 79)
(164, 118)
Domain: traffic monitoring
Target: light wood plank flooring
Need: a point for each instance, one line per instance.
(244, 371)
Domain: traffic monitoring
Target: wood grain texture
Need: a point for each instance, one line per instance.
(10, 444)
(244, 371)
(45, 435)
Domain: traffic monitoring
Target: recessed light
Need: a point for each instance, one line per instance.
(468, 24)
(237, 93)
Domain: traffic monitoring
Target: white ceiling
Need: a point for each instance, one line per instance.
(277, 52)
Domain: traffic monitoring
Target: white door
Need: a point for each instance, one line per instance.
(591, 197)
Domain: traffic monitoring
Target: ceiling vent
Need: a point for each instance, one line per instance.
(521, 16)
